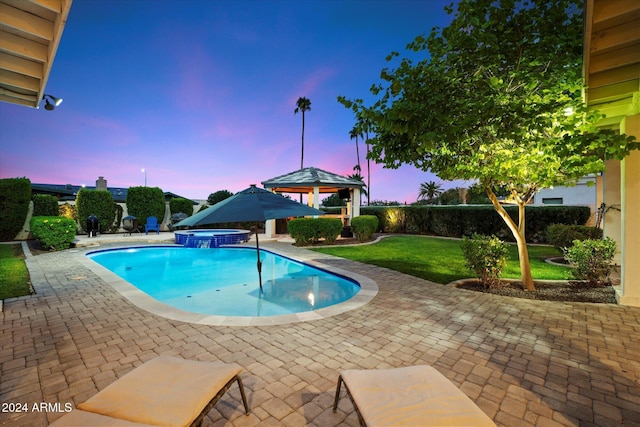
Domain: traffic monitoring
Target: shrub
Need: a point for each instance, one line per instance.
(115, 225)
(15, 195)
(309, 230)
(592, 259)
(180, 204)
(45, 205)
(143, 202)
(486, 256)
(303, 231)
(54, 232)
(364, 226)
(99, 203)
(328, 228)
(68, 211)
(562, 235)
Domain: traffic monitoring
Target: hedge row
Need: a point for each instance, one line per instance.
(309, 230)
(99, 203)
(45, 205)
(458, 221)
(143, 202)
(15, 195)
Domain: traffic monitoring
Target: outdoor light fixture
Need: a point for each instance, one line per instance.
(49, 106)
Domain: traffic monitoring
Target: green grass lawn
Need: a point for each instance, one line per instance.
(441, 260)
(14, 276)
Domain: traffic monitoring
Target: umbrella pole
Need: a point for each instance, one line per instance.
(259, 264)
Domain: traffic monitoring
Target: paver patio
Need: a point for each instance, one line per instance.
(523, 362)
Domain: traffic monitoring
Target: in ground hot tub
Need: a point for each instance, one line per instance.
(213, 238)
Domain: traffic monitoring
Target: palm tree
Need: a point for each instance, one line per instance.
(429, 191)
(365, 125)
(358, 177)
(354, 134)
(303, 104)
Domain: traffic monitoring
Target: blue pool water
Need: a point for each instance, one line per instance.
(224, 281)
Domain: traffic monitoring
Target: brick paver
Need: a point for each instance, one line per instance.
(529, 363)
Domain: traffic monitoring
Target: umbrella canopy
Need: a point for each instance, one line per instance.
(252, 204)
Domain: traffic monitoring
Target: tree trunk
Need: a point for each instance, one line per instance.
(302, 151)
(518, 232)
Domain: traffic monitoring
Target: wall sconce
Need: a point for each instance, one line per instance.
(49, 106)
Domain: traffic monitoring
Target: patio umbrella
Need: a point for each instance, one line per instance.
(251, 204)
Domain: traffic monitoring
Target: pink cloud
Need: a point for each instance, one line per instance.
(311, 84)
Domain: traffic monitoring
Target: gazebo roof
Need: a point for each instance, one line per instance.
(304, 180)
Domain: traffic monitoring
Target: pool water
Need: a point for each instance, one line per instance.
(224, 281)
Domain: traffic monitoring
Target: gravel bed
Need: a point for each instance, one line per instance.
(569, 291)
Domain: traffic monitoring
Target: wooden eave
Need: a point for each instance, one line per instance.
(30, 33)
(612, 57)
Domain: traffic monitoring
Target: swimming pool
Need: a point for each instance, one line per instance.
(224, 281)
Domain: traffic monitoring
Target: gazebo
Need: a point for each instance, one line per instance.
(313, 182)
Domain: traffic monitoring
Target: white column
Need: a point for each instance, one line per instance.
(316, 197)
(630, 230)
(270, 225)
(355, 203)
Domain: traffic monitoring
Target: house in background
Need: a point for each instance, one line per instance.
(612, 76)
(66, 193)
(581, 194)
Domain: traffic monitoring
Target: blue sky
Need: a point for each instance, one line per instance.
(202, 93)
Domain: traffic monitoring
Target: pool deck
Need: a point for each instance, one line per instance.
(524, 362)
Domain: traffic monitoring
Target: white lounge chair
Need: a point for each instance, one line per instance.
(165, 391)
(411, 396)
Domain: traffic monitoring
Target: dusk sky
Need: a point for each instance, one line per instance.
(202, 93)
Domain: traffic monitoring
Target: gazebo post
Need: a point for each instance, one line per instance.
(316, 197)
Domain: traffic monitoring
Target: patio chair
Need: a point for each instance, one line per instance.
(409, 396)
(165, 391)
(152, 225)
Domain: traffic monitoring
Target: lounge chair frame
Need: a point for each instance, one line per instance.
(198, 421)
(337, 399)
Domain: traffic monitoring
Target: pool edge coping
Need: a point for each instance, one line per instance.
(368, 290)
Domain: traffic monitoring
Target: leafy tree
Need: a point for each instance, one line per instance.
(429, 191)
(477, 195)
(143, 202)
(333, 200)
(180, 204)
(99, 203)
(497, 99)
(449, 197)
(218, 196)
(303, 104)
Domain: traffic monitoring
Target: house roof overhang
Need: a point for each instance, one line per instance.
(611, 58)
(30, 32)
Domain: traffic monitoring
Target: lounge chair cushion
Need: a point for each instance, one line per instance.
(411, 396)
(84, 418)
(164, 391)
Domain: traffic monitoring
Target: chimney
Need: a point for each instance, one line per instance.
(101, 183)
